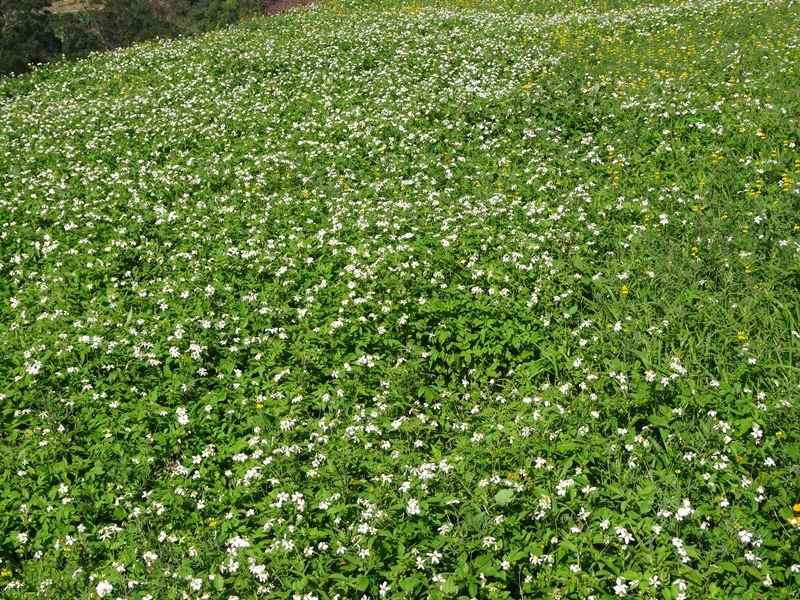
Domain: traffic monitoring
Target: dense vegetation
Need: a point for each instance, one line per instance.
(405, 300)
(32, 34)
(25, 36)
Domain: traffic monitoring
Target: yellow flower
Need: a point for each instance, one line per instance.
(796, 508)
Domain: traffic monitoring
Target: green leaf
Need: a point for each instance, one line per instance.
(450, 586)
(658, 421)
(409, 583)
(219, 582)
(752, 571)
(728, 566)
(362, 582)
(503, 497)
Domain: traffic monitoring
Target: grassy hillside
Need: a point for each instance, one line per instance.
(406, 300)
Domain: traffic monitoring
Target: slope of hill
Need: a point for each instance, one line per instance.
(407, 299)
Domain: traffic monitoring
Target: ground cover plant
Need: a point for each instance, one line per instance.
(402, 300)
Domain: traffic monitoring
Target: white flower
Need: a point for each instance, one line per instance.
(183, 416)
(745, 536)
(620, 589)
(34, 368)
(104, 588)
(413, 507)
(684, 511)
(623, 534)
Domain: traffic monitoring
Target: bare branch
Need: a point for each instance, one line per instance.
(9, 23)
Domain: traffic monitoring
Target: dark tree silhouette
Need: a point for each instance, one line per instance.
(24, 35)
(29, 34)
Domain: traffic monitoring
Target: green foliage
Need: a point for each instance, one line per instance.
(116, 24)
(32, 35)
(406, 300)
(209, 14)
(24, 35)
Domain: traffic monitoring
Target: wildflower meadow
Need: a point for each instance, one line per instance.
(383, 299)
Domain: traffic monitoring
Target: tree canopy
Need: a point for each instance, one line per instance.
(24, 35)
(31, 34)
